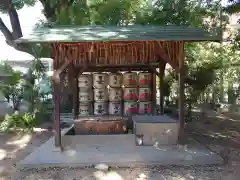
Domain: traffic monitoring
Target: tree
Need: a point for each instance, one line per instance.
(234, 8)
(117, 12)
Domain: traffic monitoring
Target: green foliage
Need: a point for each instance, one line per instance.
(17, 121)
(167, 83)
(11, 82)
(18, 4)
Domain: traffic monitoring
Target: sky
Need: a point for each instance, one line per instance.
(28, 16)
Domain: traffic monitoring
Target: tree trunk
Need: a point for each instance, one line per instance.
(221, 87)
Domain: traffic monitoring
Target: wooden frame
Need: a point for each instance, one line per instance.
(66, 54)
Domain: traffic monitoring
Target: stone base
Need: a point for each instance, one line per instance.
(116, 150)
(160, 130)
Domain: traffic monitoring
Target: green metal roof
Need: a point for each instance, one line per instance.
(116, 33)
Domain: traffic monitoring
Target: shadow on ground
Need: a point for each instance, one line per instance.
(16, 146)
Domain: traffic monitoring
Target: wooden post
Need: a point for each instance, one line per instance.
(56, 97)
(154, 92)
(181, 95)
(76, 97)
(73, 78)
(161, 84)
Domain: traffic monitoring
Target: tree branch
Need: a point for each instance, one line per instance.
(6, 32)
(14, 19)
(16, 27)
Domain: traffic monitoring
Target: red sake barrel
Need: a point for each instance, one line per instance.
(130, 79)
(144, 79)
(130, 108)
(145, 107)
(130, 94)
(144, 94)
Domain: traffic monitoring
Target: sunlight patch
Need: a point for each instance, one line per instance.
(2, 154)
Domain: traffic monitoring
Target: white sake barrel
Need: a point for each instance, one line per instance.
(85, 109)
(130, 79)
(145, 107)
(144, 94)
(100, 108)
(130, 108)
(85, 80)
(115, 79)
(115, 108)
(85, 94)
(101, 94)
(115, 94)
(130, 94)
(100, 80)
(144, 79)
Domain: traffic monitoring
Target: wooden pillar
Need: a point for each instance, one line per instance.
(76, 97)
(56, 99)
(73, 78)
(75, 94)
(181, 75)
(154, 92)
(161, 84)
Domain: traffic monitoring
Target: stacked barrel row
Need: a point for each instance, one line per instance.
(102, 94)
(137, 93)
(85, 95)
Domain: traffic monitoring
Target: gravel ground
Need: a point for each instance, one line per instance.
(151, 173)
(13, 148)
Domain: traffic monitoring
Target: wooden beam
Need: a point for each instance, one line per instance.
(163, 54)
(56, 73)
(56, 96)
(123, 66)
(115, 68)
(153, 69)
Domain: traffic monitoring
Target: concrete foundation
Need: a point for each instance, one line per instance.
(116, 150)
(162, 130)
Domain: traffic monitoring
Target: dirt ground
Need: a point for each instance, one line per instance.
(221, 134)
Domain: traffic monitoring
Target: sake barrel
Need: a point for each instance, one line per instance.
(130, 94)
(115, 80)
(144, 79)
(101, 94)
(130, 79)
(130, 108)
(145, 107)
(115, 108)
(115, 94)
(85, 94)
(85, 80)
(100, 80)
(100, 108)
(85, 109)
(144, 94)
